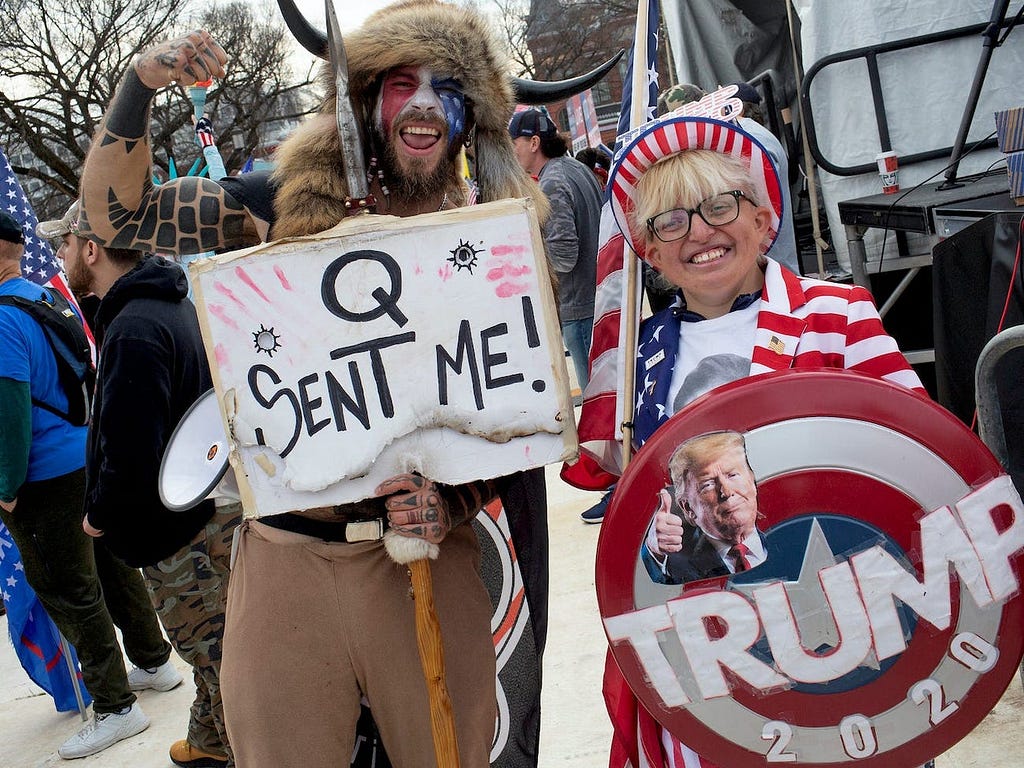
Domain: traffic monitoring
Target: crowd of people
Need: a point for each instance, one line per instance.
(82, 503)
(84, 586)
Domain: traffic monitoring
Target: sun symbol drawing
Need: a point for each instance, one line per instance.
(464, 256)
(265, 340)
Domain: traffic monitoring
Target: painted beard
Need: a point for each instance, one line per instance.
(411, 178)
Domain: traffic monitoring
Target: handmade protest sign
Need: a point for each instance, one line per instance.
(383, 346)
(873, 614)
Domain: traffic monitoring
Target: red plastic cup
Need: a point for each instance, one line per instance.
(889, 170)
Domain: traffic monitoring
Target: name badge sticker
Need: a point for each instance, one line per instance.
(654, 359)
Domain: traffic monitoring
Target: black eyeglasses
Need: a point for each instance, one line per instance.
(716, 211)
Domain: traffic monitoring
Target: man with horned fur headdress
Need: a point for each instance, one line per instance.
(314, 623)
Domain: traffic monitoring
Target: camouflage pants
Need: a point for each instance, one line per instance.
(189, 591)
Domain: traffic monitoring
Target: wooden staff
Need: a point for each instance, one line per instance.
(416, 554)
(428, 640)
(637, 117)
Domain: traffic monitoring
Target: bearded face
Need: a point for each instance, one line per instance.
(419, 121)
(71, 253)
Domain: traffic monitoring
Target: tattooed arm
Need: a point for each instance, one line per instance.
(423, 509)
(120, 204)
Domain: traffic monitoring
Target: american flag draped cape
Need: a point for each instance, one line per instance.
(33, 634)
(636, 736)
(599, 427)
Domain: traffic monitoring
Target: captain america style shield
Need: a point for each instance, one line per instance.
(885, 621)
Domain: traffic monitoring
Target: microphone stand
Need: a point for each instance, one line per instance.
(989, 44)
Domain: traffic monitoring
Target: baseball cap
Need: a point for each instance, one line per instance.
(747, 92)
(531, 122)
(676, 96)
(67, 225)
(10, 229)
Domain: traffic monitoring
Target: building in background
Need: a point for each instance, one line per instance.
(566, 39)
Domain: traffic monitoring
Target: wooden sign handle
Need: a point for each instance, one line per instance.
(428, 640)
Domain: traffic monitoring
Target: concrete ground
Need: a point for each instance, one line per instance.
(575, 730)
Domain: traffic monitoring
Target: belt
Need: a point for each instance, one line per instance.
(328, 530)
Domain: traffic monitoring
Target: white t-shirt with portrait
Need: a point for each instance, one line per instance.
(711, 353)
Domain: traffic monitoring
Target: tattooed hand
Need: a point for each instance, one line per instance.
(416, 508)
(187, 60)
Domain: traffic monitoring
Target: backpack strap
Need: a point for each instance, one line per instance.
(55, 411)
(55, 301)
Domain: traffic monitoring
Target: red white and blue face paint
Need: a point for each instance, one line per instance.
(415, 106)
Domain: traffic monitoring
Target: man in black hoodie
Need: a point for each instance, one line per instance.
(152, 368)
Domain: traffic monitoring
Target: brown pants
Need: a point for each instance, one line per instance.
(312, 626)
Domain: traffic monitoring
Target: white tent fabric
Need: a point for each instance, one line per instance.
(714, 42)
(925, 92)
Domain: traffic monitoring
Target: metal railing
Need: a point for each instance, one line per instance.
(990, 413)
(870, 54)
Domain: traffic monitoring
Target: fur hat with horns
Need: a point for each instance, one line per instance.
(448, 39)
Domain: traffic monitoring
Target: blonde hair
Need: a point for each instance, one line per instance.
(685, 179)
(695, 451)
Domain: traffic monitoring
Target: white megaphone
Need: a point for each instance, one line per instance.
(195, 464)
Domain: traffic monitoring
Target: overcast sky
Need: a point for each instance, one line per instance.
(350, 12)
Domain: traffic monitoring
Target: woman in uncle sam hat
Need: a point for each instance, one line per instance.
(699, 200)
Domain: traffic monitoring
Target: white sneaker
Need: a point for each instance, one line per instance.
(162, 678)
(104, 731)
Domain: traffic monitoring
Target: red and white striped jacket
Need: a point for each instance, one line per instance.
(802, 323)
(823, 324)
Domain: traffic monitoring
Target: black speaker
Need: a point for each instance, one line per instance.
(977, 291)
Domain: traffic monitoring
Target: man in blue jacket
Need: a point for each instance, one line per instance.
(42, 482)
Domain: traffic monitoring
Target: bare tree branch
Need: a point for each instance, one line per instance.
(63, 60)
(568, 37)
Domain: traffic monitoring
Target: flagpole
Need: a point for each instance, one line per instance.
(637, 117)
(65, 650)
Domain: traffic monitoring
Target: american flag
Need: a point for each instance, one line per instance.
(645, 49)
(599, 430)
(637, 739)
(39, 264)
(33, 634)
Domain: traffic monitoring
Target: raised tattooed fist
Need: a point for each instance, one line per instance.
(187, 60)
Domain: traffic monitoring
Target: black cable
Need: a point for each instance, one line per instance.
(994, 164)
(1020, 244)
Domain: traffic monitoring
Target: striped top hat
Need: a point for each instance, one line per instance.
(673, 134)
